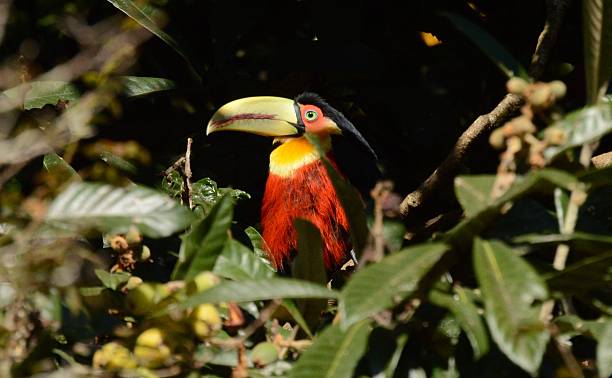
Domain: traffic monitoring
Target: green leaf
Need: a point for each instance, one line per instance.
(349, 198)
(597, 35)
(510, 287)
(204, 193)
(604, 351)
(489, 45)
(394, 231)
(335, 353)
(144, 15)
(54, 163)
(588, 273)
(110, 209)
(118, 162)
(202, 245)
(260, 289)
(474, 192)
(134, 86)
(466, 313)
(582, 126)
(259, 245)
(292, 309)
(308, 266)
(36, 94)
(237, 262)
(375, 287)
(397, 354)
(580, 241)
(112, 280)
(544, 181)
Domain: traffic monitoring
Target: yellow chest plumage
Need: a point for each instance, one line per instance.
(294, 154)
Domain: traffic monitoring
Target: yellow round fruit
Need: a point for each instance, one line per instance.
(152, 338)
(152, 357)
(114, 356)
(207, 313)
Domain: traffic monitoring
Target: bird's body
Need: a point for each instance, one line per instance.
(298, 184)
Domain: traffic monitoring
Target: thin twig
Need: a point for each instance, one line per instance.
(442, 177)
(265, 314)
(176, 165)
(187, 176)
(568, 357)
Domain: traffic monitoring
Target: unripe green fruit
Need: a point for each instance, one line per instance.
(152, 338)
(264, 354)
(203, 281)
(145, 253)
(141, 299)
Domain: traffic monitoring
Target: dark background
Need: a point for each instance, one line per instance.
(367, 58)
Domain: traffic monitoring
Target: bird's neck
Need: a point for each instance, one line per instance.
(294, 153)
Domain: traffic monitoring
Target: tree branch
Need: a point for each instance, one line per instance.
(442, 177)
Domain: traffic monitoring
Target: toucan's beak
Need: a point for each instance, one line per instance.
(265, 115)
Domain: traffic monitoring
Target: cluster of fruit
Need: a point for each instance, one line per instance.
(168, 336)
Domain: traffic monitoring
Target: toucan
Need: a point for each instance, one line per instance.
(298, 185)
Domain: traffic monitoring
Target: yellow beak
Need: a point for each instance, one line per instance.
(263, 115)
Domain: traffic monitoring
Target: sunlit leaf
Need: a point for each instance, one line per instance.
(474, 192)
(542, 181)
(134, 86)
(335, 352)
(110, 209)
(375, 287)
(112, 280)
(466, 313)
(582, 126)
(202, 245)
(488, 45)
(143, 14)
(37, 94)
(260, 289)
(510, 287)
(238, 262)
(55, 164)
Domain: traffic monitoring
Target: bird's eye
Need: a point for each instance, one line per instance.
(310, 115)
